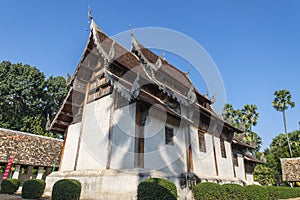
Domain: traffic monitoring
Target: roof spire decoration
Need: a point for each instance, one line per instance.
(135, 90)
(89, 13)
(130, 30)
(213, 98)
(191, 95)
(206, 95)
(188, 71)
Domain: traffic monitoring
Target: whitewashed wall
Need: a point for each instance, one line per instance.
(249, 178)
(94, 138)
(123, 138)
(70, 149)
(204, 163)
(240, 169)
(158, 155)
(225, 165)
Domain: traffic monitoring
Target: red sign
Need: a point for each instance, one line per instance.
(8, 167)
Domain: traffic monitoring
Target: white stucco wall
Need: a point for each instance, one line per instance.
(70, 149)
(123, 138)
(240, 170)
(94, 138)
(225, 165)
(249, 178)
(204, 163)
(158, 155)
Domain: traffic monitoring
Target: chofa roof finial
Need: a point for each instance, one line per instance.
(89, 12)
(130, 30)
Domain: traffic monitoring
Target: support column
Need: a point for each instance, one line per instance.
(29, 172)
(40, 173)
(16, 172)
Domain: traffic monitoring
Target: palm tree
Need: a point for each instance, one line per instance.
(282, 100)
(249, 116)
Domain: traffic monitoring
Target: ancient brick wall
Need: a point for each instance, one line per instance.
(290, 169)
(29, 149)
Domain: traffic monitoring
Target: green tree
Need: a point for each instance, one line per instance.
(26, 97)
(246, 117)
(281, 102)
(271, 172)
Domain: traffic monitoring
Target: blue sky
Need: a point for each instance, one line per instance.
(255, 44)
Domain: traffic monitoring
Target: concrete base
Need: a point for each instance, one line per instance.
(112, 184)
(122, 184)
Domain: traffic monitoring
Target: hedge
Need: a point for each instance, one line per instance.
(237, 192)
(33, 189)
(66, 189)
(273, 193)
(10, 186)
(156, 189)
(287, 192)
(233, 191)
(208, 190)
(256, 192)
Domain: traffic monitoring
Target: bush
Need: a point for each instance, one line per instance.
(66, 189)
(273, 193)
(287, 192)
(156, 188)
(10, 186)
(208, 191)
(33, 189)
(256, 192)
(233, 191)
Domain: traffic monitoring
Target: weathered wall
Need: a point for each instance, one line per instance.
(225, 165)
(158, 155)
(71, 144)
(204, 162)
(240, 169)
(94, 138)
(123, 138)
(29, 149)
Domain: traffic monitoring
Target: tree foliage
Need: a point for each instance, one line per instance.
(27, 97)
(244, 118)
(270, 172)
(282, 100)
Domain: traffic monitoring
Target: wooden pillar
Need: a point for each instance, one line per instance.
(139, 137)
(215, 156)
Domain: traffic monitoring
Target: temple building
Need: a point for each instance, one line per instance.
(131, 115)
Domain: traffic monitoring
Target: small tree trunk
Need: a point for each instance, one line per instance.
(287, 136)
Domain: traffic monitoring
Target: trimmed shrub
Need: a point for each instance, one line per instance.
(33, 189)
(273, 193)
(66, 189)
(256, 192)
(208, 191)
(233, 191)
(9, 186)
(287, 192)
(156, 188)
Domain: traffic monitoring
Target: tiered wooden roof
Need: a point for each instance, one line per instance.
(105, 63)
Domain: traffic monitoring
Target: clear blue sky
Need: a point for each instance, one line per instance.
(255, 44)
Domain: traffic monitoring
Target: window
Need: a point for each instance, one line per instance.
(235, 160)
(169, 135)
(201, 139)
(222, 147)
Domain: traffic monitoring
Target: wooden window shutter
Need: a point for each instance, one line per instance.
(201, 139)
(169, 135)
(222, 147)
